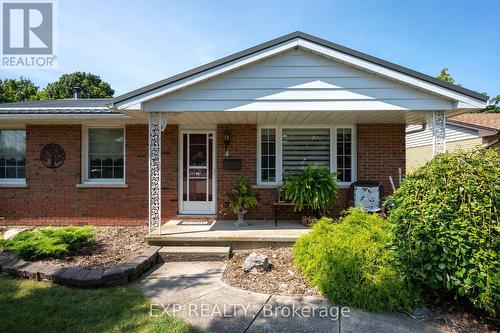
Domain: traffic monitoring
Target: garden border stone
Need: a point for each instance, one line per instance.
(81, 277)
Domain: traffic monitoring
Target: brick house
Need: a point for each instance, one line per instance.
(175, 146)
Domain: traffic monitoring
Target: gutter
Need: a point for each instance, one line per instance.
(424, 126)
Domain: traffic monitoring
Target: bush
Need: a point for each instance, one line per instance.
(315, 188)
(447, 226)
(350, 263)
(49, 242)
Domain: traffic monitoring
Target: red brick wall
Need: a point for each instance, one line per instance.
(52, 196)
(381, 151)
(169, 171)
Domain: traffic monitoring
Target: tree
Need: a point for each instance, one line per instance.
(444, 75)
(92, 87)
(15, 90)
(495, 108)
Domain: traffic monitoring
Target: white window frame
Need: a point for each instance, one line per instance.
(85, 157)
(16, 181)
(333, 151)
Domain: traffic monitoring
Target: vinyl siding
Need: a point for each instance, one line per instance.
(297, 81)
(453, 134)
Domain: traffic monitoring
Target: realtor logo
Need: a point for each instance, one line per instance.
(28, 34)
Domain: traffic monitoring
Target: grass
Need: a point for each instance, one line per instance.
(29, 305)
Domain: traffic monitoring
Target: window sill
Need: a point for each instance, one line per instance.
(262, 186)
(109, 185)
(14, 185)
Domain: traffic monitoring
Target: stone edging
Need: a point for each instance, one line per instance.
(80, 277)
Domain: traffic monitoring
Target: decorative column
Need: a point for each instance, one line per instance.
(156, 126)
(436, 122)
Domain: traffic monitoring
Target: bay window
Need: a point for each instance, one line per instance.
(284, 151)
(12, 156)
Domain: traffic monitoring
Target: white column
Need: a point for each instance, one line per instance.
(156, 126)
(436, 122)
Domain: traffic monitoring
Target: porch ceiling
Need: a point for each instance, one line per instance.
(297, 118)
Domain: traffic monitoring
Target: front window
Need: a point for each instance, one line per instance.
(303, 147)
(286, 151)
(12, 155)
(106, 154)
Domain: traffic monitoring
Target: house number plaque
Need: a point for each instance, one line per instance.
(52, 156)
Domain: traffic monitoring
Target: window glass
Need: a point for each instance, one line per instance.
(12, 154)
(344, 157)
(303, 147)
(106, 153)
(268, 155)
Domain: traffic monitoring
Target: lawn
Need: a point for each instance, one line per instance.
(28, 305)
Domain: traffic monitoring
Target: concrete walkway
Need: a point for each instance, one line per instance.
(195, 292)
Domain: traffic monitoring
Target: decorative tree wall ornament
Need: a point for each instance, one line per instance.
(52, 156)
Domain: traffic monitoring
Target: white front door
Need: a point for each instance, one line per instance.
(197, 172)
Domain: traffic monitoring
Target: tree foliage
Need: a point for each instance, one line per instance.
(445, 75)
(92, 87)
(446, 217)
(16, 90)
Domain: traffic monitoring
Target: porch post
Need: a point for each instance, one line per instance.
(436, 121)
(157, 124)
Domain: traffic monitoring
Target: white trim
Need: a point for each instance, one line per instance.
(16, 182)
(462, 101)
(85, 158)
(333, 152)
(100, 185)
(180, 159)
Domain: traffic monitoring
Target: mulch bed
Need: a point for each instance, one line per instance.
(114, 246)
(285, 279)
(282, 279)
(461, 317)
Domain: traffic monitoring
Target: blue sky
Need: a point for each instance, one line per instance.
(133, 43)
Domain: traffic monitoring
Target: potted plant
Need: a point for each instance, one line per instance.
(240, 200)
(315, 188)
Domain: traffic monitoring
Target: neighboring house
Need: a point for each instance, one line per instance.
(176, 146)
(462, 132)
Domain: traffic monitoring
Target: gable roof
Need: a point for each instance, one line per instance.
(59, 106)
(290, 37)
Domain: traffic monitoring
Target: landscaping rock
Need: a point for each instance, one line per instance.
(256, 260)
(51, 272)
(11, 233)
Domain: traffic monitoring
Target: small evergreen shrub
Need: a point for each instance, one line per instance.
(447, 226)
(49, 242)
(349, 262)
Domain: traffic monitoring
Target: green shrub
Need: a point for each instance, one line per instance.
(350, 263)
(49, 242)
(315, 188)
(447, 226)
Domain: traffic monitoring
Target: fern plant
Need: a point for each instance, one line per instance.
(315, 188)
(240, 197)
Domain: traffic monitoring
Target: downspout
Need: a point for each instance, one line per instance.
(424, 126)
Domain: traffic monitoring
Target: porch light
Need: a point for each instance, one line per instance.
(227, 139)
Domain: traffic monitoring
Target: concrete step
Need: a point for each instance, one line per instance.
(194, 253)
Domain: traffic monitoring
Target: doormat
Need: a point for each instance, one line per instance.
(195, 222)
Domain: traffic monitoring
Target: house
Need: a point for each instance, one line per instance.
(462, 132)
(175, 146)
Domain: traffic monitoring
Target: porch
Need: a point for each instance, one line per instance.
(258, 233)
